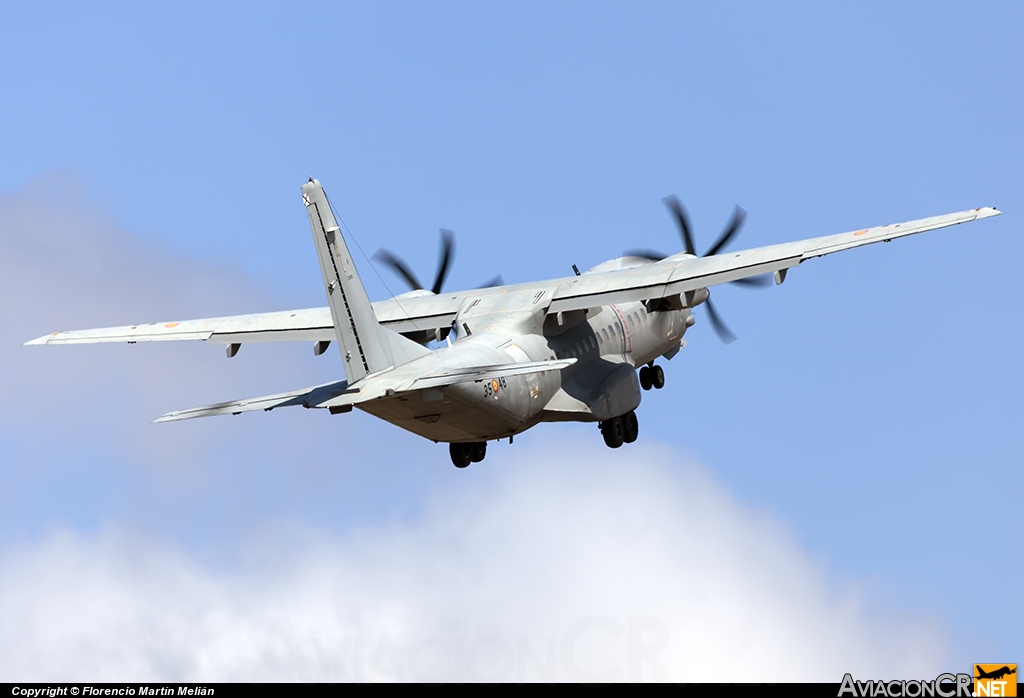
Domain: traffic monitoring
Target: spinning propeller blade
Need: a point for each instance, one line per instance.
(443, 266)
(682, 221)
(719, 326)
(731, 230)
(399, 267)
(447, 249)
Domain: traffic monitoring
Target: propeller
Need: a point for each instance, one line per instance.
(443, 265)
(403, 270)
(728, 233)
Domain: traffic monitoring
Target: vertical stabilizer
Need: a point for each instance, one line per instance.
(366, 347)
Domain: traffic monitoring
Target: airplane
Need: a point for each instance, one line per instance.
(575, 349)
(995, 674)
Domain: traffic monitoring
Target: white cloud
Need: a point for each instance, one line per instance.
(572, 563)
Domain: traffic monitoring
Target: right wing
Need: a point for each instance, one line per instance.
(683, 273)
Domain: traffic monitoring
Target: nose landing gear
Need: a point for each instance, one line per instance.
(465, 453)
(652, 376)
(619, 430)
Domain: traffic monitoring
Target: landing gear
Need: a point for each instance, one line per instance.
(613, 432)
(630, 427)
(461, 456)
(652, 377)
(645, 378)
(619, 430)
(478, 451)
(657, 377)
(465, 453)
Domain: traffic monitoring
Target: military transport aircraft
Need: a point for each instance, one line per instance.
(560, 350)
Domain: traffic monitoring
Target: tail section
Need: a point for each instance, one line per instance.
(366, 347)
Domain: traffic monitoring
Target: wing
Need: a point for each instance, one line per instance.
(308, 325)
(682, 273)
(423, 314)
(669, 277)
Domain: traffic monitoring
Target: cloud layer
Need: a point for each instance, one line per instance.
(573, 564)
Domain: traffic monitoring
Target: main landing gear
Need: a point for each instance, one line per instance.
(651, 376)
(465, 453)
(620, 430)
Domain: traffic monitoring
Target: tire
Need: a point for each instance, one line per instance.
(477, 451)
(658, 377)
(460, 455)
(612, 432)
(645, 378)
(630, 427)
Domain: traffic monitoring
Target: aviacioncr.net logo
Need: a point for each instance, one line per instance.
(995, 680)
(943, 686)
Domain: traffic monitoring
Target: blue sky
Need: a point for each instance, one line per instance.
(871, 409)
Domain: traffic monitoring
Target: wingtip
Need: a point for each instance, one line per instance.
(988, 211)
(37, 341)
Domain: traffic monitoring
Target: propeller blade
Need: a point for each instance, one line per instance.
(728, 233)
(399, 267)
(447, 248)
(682, 221)
(645, 254)
(716, 322)
(755, 281)
(496, 281)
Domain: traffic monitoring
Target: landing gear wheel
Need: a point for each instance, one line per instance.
(461, 454)
(477, 451)
(612, 431)
(645, 378)
(630, 427)
(657, 377)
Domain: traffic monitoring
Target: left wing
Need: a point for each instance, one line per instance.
(310, 325)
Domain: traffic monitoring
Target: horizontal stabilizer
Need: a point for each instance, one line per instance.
(479, 373)
(308, 397)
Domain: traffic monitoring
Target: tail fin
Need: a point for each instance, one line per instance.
(366, 347)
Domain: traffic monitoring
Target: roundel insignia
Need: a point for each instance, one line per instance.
(494, 384)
